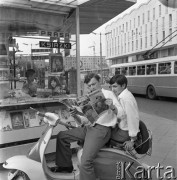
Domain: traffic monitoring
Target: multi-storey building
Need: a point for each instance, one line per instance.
(87, 62)
(151, 26)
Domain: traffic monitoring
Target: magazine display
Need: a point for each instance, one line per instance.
(92, 105)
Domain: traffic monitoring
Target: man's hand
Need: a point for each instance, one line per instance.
(129, 145)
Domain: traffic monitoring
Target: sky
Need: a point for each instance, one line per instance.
(85, 40)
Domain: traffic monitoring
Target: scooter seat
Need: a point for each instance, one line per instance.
(115, 144)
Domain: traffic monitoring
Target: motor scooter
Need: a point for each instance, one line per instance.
(110, 163)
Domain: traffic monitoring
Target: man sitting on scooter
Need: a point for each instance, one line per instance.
(94, 136)
(128, 126)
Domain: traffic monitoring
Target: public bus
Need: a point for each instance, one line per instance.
(155, 77)
(105, 72)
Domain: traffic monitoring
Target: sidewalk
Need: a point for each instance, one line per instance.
(164, 147)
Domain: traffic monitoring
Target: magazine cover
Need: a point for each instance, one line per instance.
(95, 106)
(92, 105)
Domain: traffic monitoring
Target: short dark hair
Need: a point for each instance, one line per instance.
(29, 72)
(88, 77)
(119, 79)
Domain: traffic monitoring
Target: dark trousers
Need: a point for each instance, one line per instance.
(94, 139)
(119, 135)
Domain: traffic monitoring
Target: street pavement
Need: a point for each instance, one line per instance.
(164, 144)
(164, 147)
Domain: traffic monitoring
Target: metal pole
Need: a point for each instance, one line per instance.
(31, 58)
(78, 52)
(14, 68)
(101, 60)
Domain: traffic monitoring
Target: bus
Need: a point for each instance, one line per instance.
(105, 72)
(155, 77)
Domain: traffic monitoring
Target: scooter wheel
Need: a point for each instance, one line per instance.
(17, 175)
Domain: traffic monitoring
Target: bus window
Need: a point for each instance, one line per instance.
(151, 69)
(124, 70)
(164, 68)
(132, 71)
(141, 70)
(117, 71)
(175, 67)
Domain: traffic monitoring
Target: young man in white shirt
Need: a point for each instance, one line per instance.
(128, 124)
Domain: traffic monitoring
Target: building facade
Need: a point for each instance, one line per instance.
(147, 31)
(87, 62)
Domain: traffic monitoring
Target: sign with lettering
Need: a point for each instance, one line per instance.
(54, 34)
(46, 44)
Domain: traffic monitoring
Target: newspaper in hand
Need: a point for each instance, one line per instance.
(92, 105)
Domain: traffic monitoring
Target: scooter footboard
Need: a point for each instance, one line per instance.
(116, 164)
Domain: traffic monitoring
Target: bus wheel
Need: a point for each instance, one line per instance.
(151, 94)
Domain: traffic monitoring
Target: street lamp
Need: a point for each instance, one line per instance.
(101, 60)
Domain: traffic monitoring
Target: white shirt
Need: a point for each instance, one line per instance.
(129, 119)
(109, 118)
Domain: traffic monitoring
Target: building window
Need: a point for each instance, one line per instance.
(157, 25)
(138, 20)
(134, 22)
(163, 38)
(141, 43)
(126, 26)
(163, 22)
(145, 42)
(159, 10)
(143, 18)
(151, 27)
(132, 45)
(170, 34)
(153, 13)
(146, 29)
(137, 44)
(136, 33)
(141, 30)
(148, 16)
(157, 40)
(151, 39)
(170, 20)
(166, 10)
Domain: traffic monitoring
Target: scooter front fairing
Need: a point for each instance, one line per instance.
(32, 168)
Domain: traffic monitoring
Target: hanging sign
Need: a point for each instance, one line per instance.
(46, 44)
(54, 34)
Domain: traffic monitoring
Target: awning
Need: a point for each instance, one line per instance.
(30, 16)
